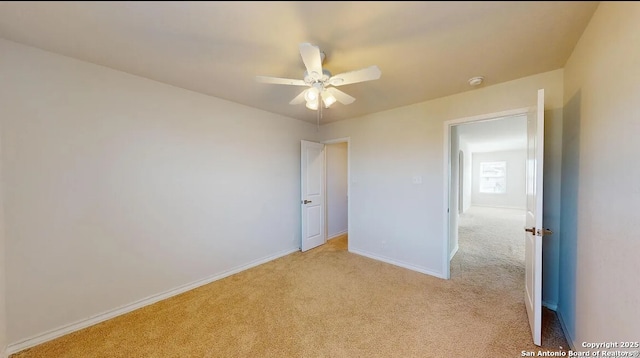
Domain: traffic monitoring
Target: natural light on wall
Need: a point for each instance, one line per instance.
(493, 177)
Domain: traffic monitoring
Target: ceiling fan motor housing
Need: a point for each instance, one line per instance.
(313, 77)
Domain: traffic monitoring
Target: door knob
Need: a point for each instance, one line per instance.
(530, 229)
(306, 201)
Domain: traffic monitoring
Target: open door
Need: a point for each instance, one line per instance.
(533, 229)
(312, 196)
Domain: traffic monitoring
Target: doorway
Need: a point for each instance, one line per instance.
(496, 142)
(337, 191)
(488, 178)
(492, 180)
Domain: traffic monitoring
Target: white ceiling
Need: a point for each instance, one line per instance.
(508, 133)
(424, 49)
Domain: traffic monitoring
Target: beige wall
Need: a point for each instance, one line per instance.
(400, 222)
(121, 188)
(600, 290)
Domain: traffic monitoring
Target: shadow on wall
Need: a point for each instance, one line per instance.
(569, 214)
(552, 205)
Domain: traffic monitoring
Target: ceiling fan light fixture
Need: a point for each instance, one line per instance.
(313, 104)
(311, 94)
(328, 99)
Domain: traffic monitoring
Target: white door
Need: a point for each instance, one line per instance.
(533, 229)
(312, 199)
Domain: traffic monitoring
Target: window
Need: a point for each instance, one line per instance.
(493, 177)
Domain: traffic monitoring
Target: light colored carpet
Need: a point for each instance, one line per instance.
(491, 253)
(326, 302)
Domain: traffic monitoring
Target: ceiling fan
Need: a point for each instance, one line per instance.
(320, 81)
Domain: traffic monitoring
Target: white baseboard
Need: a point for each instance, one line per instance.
(336, 235)
(81, 324)
(397, 263)
(550, 305)
(569, 338)
(453, 253)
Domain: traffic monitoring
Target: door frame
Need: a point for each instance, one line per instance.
(447, 204)
(461, 174)
(326, 207)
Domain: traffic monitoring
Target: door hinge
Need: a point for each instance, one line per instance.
(538, 232)
(543, 232)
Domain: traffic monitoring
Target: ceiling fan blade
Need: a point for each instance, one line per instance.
(312, 59)
(299, 98)
(280, 81)
(340, 96)
(365, 74)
